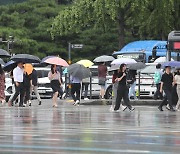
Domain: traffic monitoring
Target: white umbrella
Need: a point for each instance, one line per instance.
(161, 60)
(123, 61)
(103, 58)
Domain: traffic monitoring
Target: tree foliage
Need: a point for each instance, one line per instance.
(135, 18)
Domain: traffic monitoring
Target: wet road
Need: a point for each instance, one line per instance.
(88, 129)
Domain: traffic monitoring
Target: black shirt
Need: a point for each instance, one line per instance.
(34, 77)
(123, 80)
(167, 80)
(26, 80)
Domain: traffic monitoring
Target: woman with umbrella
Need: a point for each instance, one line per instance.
(123, 90)
(2, 85)
(55, 78)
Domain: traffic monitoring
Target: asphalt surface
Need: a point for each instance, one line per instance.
(87, 129)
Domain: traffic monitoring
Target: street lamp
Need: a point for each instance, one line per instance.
(9, 42)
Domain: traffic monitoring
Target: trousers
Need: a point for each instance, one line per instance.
(75, 89)
(122, 92)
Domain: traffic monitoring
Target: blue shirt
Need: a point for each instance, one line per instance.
(75, 79)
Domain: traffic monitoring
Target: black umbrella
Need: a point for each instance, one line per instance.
(2, 62)
(9, 66)
(4, 53)
(26, 58)
(79, 71)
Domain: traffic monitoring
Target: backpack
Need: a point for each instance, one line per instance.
(157, 77)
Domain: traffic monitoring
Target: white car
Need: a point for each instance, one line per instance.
(44, 87)
(8, 86)
(96, 88)
(147, 86)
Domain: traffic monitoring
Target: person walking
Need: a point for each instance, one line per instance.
(177, 81)
(85, 85)
(18, 74)
(166, 86)
(34, 85)
(75, 89)
(2, 86)
(123, 90)
(54, 77)
(102, 72)
(131, 80)
(157, 81)
(27, 85)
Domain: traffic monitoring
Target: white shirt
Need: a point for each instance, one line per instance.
(55, 77)
(177, 79)
(18, 74)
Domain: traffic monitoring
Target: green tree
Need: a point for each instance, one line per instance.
(98, 13)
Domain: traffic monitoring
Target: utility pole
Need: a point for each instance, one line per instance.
(9, 42)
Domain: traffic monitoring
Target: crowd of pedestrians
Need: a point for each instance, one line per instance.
(123, 83)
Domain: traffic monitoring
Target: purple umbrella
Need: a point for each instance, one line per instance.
(172, 64)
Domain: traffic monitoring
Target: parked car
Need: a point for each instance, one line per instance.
(147, 86)
(44, 87)
(8, 86)
(96, 87)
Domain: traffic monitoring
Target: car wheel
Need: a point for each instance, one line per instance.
(108, 94)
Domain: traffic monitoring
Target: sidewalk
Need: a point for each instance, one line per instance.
(149, 102)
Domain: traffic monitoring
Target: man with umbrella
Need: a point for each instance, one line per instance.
(18, 74)
(166, 85)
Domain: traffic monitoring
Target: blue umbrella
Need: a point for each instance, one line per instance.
(9, 66)
(172, 64)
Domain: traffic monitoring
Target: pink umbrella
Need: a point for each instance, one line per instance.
(56, 61)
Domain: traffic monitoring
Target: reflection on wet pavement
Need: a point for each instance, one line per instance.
(88, 129)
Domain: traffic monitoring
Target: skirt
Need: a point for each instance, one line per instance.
(55, 85)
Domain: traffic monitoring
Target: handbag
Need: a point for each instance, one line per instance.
(102, 81)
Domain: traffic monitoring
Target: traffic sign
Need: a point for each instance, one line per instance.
(77, 46)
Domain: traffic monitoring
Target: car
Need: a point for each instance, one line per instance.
(44, 87)
(147, 85)
(8, 86)
(96, 88)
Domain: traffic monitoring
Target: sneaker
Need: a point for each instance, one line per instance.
(76, 103)
(39, 103)
(167, 107)
(63, 96)
(131, 109)
(160, 108)
(123, 108)
(86, 99)
(172, 109)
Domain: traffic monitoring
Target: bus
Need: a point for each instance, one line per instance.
(145, 51)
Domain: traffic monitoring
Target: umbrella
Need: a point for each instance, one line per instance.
(25, 58)
(79, 71)
(136, 66)
(28, 68)
(85, 62)
(45, 58)
(113, 68)
(9, 66)
(4, 53)
(123, 61)
(56, 61)
(103, 58)
(161, 60)
(2, 62)
(172, 64)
